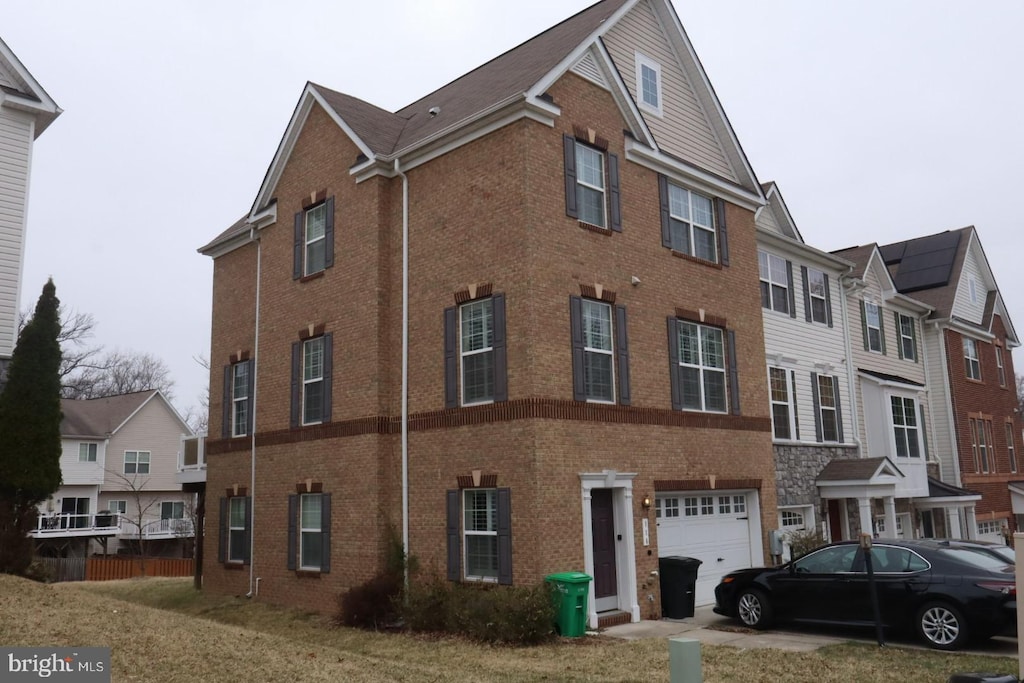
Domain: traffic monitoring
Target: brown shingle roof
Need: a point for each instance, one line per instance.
(851, 469)
(237, 228)
(99, 417)
(859, 255)
(942, 297)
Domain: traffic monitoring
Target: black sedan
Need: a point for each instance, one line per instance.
(947, 593)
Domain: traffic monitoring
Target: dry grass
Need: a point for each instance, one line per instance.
(160, 630)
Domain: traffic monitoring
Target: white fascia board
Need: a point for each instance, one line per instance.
(46, 107)
(310, 95)
(229, 245)
(805, 251)
(968, 330)
(262, 219)
(774, 194)
(912, 303)
(707, 96)
(692, 176)
(944, 501)
(892, 384)
(1011, 334)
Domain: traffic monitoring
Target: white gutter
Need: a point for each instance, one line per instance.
(253, 581)
(954, 456)
(405, 370)
(846, 281)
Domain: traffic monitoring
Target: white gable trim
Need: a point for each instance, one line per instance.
(309, 97)
(780, 211)
(46, 108)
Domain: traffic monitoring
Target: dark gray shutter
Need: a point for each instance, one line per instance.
(614, 199)
(828, 302)
(913, 337)
(881, 328)
(899, 335)
(299, 245)
(839, 408)
(734, 374)
(666, 212)
(579, 388)
(498, 343)
(325, 533)
(674, 372)
(505, 537)
(296, 382)
(924, 431)
(293, 532)
(329, 234)
(454, 554)
(247, 550)
(622, 354)
(451, 358)
(250, 399)
(796, 413)
(225, 427)
(817, 406)
(723, 234)
(791, 292)
(222, 532)
(807, 293)
(328, 372)
(864, 325)
(569, 149)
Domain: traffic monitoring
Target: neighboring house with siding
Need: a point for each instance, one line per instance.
(805, 332)
(119, 462)
(582, 383)
(968, 339)
(25, 112)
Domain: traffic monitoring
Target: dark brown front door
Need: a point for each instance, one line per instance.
(835, 520)
(603, 528)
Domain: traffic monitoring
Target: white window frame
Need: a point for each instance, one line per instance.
(311, 379)
(590, 349)
(236, 532)
(822, 409)
(315, 527)
(907, 339)
(812, 273)
(910, 432)
(642, 61)
(765, 262)
(680, 199)
(789, 402)
(309, 243)
(703, 369)
(1000, 368)
(972, 364)
(581, 151)
(118, 507)
(88, 452)
(990, 526)
(871, 309)
(666, 507)
(793, 519)
(468, 347)
(972, 287)
(137, 459)
(491, 514)
(240, 398)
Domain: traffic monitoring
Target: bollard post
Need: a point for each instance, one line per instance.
(1018, 551)
(684, 660)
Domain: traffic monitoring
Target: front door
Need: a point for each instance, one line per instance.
(835, 520)
(603, 528)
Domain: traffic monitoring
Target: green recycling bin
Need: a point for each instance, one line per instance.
(569, 591)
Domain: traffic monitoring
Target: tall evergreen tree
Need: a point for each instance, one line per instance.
(30, 418)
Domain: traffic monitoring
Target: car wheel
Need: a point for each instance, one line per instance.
(942, 626)
(753, 609)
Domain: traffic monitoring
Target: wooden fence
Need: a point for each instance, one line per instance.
(110, 568)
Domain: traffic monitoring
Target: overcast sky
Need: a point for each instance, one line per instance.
(880, 121)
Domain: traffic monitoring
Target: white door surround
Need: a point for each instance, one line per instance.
(621, 484)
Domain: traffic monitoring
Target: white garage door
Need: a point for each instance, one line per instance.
(715, 529)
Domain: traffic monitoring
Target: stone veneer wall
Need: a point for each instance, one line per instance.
(797, 468)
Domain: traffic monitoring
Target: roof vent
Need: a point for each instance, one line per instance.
(434, 111)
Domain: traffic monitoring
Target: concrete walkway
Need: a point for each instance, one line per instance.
(713, 629)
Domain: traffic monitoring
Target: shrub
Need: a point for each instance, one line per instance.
(372, 604)
(515, 615)
(37, 571)
(803, 541)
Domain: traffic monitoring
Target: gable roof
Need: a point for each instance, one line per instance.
(858, 469)
(517, 78)
(26, 95)
(100, 418)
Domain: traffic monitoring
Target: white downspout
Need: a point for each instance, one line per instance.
(851, 375)
(253, 581)
(405, 369)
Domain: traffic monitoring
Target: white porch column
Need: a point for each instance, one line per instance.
(972, 523)
(953, 523)
(864, 511)
(890, 517)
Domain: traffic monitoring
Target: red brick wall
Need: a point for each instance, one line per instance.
(987, 399)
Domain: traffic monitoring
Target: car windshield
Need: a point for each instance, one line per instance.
(976, 557)
(1005, 552)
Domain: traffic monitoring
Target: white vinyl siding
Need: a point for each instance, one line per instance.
(15, 154)
(155, 429)
(963, 307)
(684, 129)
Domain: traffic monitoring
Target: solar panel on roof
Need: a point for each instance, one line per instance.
(892, 253)
(927, 262)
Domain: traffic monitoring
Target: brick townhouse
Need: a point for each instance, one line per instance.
(515, 323)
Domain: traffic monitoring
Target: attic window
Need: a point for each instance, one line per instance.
(648, 84)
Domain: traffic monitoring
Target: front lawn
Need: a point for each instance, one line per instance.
(163, 631)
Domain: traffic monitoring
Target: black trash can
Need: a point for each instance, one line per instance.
(678, 586)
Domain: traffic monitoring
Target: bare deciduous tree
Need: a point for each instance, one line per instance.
(137, 514)
(198, 416)
(120, 372)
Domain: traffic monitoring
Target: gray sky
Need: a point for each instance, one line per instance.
(880, 121)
